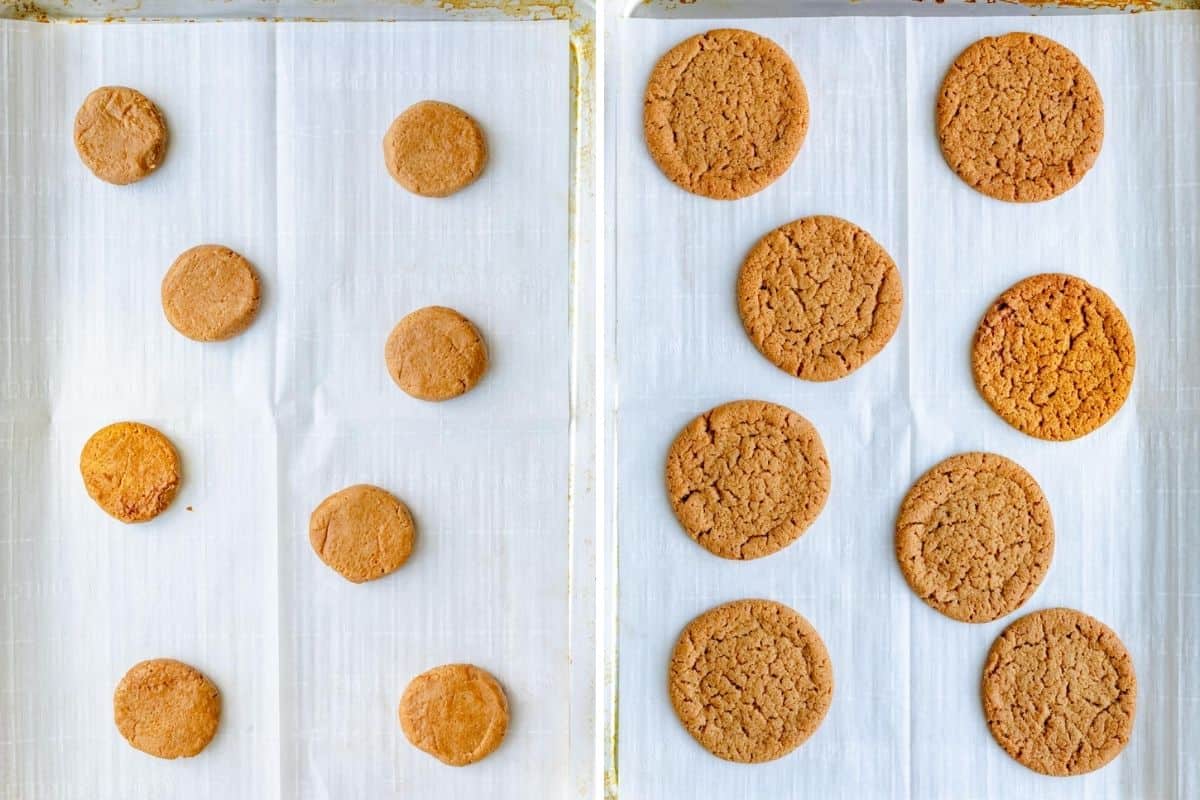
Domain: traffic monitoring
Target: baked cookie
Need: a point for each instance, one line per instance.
(974, 537)
(1019, 117)
(435, 353)
(725, 113)
(1059, 692)
(166, 708)
(210, 293)
(750, 680)
(362, 532)
(1054, 357)
(819, 297)
(747, 478)
(120, 135)
(131, 470)
(434, 149)
(456, 712)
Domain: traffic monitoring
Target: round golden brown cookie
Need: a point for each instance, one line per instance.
(210, 293)
(974, 537)
(120, 135)
(747, 478)
(166, 708)
(131, 470)
(819, 297)
(362, 532)
(435, 353)
(750, 680)
(456, 712)
(434, 149)
(1059, 692)
(1020, 118)
(725, 113)
(1054, 357)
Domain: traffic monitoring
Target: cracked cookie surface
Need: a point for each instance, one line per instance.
(131, 470)
(435, 353)
(1059, 692)
(747, 478)
(1054, 357)
(210, 293)
(974, 537)
(750, 680)
(362, 532)
(458, 713)
(167, 708)
(120, 134)
(1020, 118)
(725, 113)
(819, 297)
(434, 149)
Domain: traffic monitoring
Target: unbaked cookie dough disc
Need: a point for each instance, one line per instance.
(747, 478)
(1059, 692)
(362, 532)
(750, 680)
(725, 113)
(166, 708)
(1020, 118)
(210, 293)
(120, 135)
(819, 297)
(435, 353)
(1054, 357)
(434, 149)
(974, 537)
(131, 470)
(456, 712)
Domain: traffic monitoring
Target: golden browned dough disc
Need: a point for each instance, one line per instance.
(725, 113)
(974, 537)
(747, 478)
(819, 297)
(1059, 692)
(456, 712)
(166, 708)
(1020, 118)
(1054, 357)
(131, 470)
(434, 149)
(210, 293)
(120, 135)
(362, 532)
(435, 353)
(750, 680)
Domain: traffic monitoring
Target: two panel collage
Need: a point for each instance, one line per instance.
(581, 400)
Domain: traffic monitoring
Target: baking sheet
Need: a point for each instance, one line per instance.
(275, 151)
(906, 718)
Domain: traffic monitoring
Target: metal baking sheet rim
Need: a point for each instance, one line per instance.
(583, 287)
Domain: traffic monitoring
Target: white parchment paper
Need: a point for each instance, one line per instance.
(906, 719)
(275, 151)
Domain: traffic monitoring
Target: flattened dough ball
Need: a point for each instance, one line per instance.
(819, 297)
(1020, 118)
(434, 149)
(457, 713)
(750, 680)
(1054, 357)
(1059, 692)
(210, 293)
(166, 708)
(725, 113)
(131, 470)
(362, 532)
(435, 353)
(746, 479)
(974, 537)
(120, 134)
